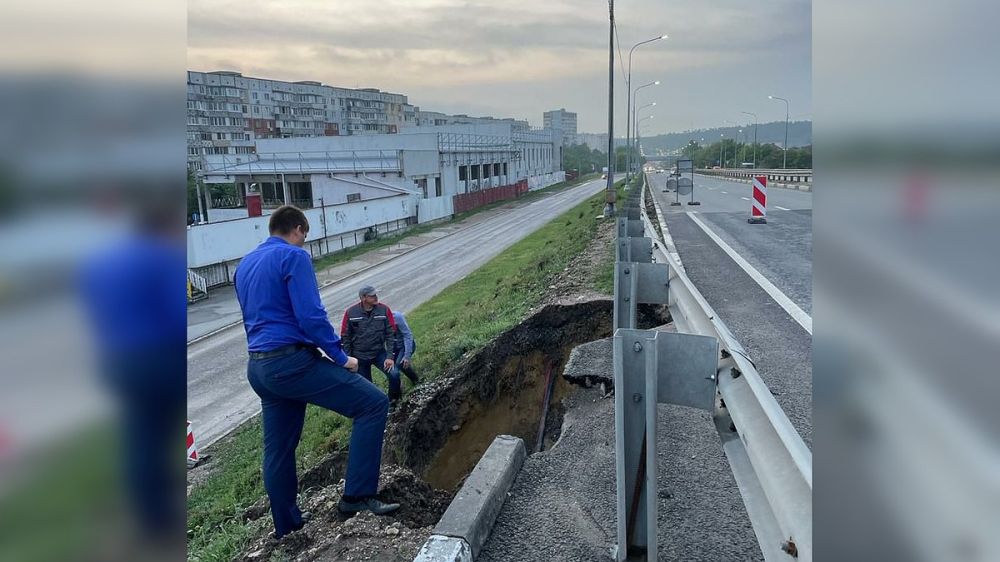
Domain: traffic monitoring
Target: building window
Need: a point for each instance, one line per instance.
(437, 186)
(505, 168)
(475, 172)
(422, 186)
(463, 173)
(496, 169)
(352, 197)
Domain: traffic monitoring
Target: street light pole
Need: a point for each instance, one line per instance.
(722, 138)
(754, 137)
(635, 136)
(628, 103)
(609, 206)
(635, 97)
(784, 163)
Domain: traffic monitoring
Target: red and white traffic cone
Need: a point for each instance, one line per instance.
(192, 454)
(758, 203)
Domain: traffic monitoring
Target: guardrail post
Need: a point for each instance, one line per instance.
(651, 368)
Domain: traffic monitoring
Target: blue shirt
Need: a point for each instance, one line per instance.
(279, 296)
(409, 346)
(133, 293)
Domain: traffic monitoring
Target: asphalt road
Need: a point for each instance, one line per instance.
(780, 251)
(219, 397)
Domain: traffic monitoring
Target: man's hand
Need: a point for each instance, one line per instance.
(406, 363)
(351, 365)
(389, 363)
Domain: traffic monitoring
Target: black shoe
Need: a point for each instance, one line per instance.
(393, 405)
(370, 503)
(306, 517)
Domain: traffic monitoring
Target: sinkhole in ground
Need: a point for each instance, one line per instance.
(444, 427)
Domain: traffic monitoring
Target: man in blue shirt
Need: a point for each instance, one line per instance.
(405, 354)
(286, 328)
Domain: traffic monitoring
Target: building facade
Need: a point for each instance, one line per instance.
(561, 120)
(227, 112)
(349, 185)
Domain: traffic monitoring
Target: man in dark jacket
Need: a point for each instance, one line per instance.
(370, 334)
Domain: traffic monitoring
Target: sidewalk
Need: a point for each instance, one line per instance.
(221, 309)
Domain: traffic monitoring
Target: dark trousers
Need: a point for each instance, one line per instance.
(365, 370)
(285, 385)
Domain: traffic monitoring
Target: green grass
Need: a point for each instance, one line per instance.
(388, 240)
(64, 505)
(459, 319)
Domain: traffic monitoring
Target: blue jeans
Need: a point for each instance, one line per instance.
(285, 385)
(365, 370)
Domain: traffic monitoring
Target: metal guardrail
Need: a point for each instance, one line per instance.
(703, 366)
(787, 176)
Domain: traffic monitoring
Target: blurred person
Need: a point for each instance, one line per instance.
(286, 327)
(132, 295)
(370, 335)
(404, 354)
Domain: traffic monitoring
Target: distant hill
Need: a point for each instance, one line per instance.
(799, 134)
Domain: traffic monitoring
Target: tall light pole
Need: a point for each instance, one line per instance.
(635, 136)
(628, 104)
(754, 137)
(635, 93)
(743, 150)
(722, 138)
(784, 162)
(609, 206)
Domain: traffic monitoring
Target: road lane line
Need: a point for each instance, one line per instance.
(745, 198)
(782, 208)
(783, 301)
(726, 192)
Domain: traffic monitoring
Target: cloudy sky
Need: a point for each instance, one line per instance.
(518, 58)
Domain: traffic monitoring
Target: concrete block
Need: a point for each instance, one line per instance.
(474, 510)
(444, 549)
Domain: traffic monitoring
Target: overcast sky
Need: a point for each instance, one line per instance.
(519, 58)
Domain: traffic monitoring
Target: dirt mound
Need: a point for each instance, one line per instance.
(330, 536)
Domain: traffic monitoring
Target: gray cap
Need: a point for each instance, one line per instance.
(366, 290)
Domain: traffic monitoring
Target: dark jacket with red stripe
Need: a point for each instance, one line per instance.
(366, 334)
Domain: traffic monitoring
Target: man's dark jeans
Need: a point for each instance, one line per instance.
(285, 385)
(365, 370)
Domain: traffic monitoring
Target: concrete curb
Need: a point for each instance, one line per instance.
(465, 526)
(792, 186)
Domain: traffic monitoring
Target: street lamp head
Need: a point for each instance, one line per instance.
(770, 97)
(654, 103)
(656, 83)
(664, 36)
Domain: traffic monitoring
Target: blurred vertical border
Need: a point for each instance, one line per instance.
(92, 375)
(907, 145)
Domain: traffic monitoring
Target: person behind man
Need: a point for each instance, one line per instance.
(405, 353)
(285, 323)
(369, 331)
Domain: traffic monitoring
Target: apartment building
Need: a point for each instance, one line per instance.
(561, 120)
(227, 112)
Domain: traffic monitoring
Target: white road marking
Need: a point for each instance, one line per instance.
(726, 192)
(745, 198)
(783, 301)
(782, 208)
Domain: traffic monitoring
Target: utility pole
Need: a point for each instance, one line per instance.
(784, 162)
(609, 207)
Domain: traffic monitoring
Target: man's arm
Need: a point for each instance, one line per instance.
(391, 334)
(347, 332)
(303, 292)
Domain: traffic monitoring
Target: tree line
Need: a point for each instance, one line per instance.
(729, 154)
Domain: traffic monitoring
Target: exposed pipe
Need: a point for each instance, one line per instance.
(547, 396)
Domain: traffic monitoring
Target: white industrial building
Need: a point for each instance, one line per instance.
(353, 185)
